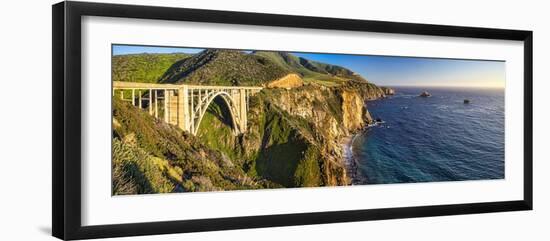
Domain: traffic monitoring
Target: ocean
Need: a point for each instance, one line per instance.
(431, 139)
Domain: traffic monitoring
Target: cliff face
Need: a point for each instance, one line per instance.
(295, 134)
(354, 112)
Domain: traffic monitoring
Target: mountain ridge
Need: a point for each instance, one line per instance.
(223, 67)
(227, 67)
(310, 68)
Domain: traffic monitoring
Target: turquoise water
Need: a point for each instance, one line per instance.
(438, 138)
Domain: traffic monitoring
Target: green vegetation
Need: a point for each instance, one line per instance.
(289, 62)
(231, 67)
(281, 150)
(146, 68)
(286, 157)
(311, 71)
(224, 67)
(134, 171)
(150, 156)
(216, 130)
(308, 172)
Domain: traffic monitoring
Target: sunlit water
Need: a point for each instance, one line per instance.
(438, 138)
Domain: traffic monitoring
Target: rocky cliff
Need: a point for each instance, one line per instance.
(294, 135)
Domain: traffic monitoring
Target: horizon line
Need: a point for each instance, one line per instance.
(441, 86)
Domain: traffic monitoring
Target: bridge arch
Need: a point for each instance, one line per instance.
(206, 101)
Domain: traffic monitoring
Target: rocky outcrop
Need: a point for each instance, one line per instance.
(425, 94)
(287, 82)
(354, 113)
(367, 117)
(388, 90)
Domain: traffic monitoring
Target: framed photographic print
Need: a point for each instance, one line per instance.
(170, 120)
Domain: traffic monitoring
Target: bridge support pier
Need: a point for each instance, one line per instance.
(183, 108)
(242, 109)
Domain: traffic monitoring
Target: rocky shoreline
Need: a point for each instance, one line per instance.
(350, 162)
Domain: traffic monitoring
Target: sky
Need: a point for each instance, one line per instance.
(388, 70)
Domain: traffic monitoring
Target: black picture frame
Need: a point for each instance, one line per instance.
(66, 88)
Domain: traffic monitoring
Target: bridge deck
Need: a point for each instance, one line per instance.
(136, 85)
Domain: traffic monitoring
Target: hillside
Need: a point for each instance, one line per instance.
(150, 156)
(311, 70)
(227, 67)
(232, 67)
(224, 67)
(148, 68)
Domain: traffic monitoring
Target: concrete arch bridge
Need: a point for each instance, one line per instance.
(185, 105)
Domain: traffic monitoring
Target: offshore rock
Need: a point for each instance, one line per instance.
(388, 90)
(425, 94)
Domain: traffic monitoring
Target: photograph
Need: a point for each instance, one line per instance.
(188, 119)
(275, 120)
